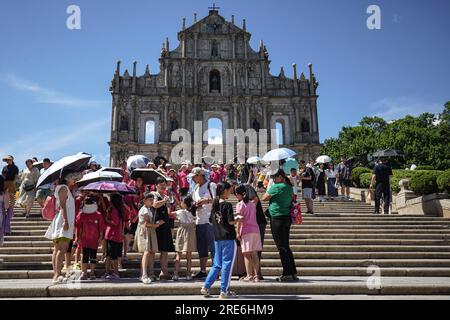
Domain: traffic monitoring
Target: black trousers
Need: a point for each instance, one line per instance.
(262, 232)
(382, 191)
(280, 227)
(89, 255)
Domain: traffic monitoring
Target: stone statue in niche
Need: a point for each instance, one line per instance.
(214, 81)
(256, 125)
(173, 124)
(123, 123)
(305, 125)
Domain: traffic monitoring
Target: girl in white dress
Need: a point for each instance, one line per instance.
(186, 241)
(61, 229)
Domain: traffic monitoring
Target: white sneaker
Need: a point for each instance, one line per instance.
(189, 277)
(205, 292)
(175, 277)
(227, 295)
(146, 280)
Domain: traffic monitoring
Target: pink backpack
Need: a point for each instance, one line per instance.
(49, 210)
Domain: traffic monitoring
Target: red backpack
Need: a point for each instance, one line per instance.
(295, 211)
(49, 210)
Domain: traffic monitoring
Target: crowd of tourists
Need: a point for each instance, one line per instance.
(185, 210)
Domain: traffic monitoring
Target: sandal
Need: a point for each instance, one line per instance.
(246, 279)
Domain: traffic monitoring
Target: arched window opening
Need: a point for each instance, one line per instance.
(280, 132)
(150, 132)
(214, 81)
(215, 131)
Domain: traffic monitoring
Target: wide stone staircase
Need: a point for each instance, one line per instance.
(336, 251)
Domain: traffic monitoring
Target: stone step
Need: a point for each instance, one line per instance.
(26, 288)
(11, 248)
(266, 256)
(308, 248)
(269, 271)
(294, 241)
(317, 225)
(270, 261)
(39, 236)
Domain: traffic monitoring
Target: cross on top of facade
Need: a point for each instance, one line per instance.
(214, 7)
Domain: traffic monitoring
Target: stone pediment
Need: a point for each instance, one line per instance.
(213, 23)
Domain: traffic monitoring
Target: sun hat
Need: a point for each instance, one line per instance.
(73, 176)
(197, 171)
(8, 157)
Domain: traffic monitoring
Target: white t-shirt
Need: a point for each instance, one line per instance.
(295, 184)
(202, 192)
(143, 212)
(185, 216)
(330, 173)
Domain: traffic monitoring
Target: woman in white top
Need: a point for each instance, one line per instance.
(29, 178)
(61, 230)
(331, 181)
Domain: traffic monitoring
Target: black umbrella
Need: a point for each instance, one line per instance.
(159, 160)
(60, 168)
(110, 169)
(388, 153)
(148, 175)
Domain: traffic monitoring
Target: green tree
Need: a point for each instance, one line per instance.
(424, 139)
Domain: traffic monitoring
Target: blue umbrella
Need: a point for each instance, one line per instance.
(290, 163)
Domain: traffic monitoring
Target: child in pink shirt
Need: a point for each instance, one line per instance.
(215, 174)
(115, 221)
(90, 227)
(248, 233)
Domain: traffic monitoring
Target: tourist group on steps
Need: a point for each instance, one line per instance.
(179, 210)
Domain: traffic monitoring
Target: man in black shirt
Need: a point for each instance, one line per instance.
(381, 176)
(10, 174)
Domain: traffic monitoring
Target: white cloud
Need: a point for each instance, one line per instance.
(55, 141)
(395, 108)
(48, 96)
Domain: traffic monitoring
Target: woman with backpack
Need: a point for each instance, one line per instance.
(29, 178)
(223, 223)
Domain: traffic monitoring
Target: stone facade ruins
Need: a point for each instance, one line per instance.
(213, 73)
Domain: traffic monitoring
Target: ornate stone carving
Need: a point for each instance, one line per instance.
(234, 88)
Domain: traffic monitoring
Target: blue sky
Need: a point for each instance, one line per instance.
(54, 81)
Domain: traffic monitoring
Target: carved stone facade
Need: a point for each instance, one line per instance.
(213, 73)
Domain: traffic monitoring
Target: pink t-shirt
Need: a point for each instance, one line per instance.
(114, 229)
(248, 211)
(92, 226)
(182, 175)
(215, 177)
